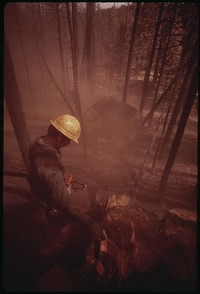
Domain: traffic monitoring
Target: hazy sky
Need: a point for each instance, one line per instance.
(110, 4)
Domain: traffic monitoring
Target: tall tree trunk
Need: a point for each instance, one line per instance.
(41, 25)
(132, 43)
(181, 96)
(43, 46)
(14, 106)
(89, 54)
(74, 62)
(124, 41)
(87, 72)
(181, 68)
(151, 145)
(184, 53)
(155, 74)
(62, 60)
(163, 62)
(179, 134)
(75, 31)
(148, 69)
(163, 127)
(25, 59)
(163, 96)
(66, 101)
(76, 84)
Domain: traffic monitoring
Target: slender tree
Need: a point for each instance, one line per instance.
(163, 61)
(76, 82)
(24, 56)
(61, 49)
(179, 134)
(149, 65)
(14, 106)
(152, 142)
(163, 95)
(123, 39)
(87, 59)
(66, 101)
(164, 126)
(74, 62)
(181, 95)
(157, 64)
(132, 42)
(160, 146)
(75, 31)
(41, 24)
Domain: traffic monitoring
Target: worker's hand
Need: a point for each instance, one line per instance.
(68, 180)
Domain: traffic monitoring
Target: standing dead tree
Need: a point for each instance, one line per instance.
(181, 67)
(42, 56)
(53, 80)
(60, 43)
(14, 106)
(163, 127)
(132, 42)
(87, 67)
(179, 134)
(75, 31)
(181, 96)
(17, 19)
(151, 145)
(163, 61)
(160, 146)
(149, 65)
(76, 80)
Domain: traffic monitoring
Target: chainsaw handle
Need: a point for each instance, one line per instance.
(77, 185)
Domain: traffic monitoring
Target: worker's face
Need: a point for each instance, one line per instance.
(63, 141)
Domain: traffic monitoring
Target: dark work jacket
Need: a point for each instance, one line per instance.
(47, 174)
(47, 179)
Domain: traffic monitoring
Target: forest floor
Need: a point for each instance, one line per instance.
(166, 261)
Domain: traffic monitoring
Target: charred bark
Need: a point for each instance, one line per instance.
(24, 56)
(179, 135)
(62, 61)
(87, 59)
(133, 37)
(163, 62)
(75, 31)
(148, 69)
(13, 101)
(76, 82)
(181, 96)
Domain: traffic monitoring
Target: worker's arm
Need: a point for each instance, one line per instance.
(54, 180)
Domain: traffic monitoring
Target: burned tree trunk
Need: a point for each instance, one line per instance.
(128, 71)
(75, 30)
(163, 62)
(62, 60)
(162, 146)
(87, 72)
(148, 69)
(76, 81)
(14, 106)
(178, 101)
(17, 20)
(179, 134)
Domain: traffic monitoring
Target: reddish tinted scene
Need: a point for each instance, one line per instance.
(100, 135)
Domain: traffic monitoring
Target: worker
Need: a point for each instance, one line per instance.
(47, 172)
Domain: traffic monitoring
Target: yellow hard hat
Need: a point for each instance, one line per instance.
(68, 125)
